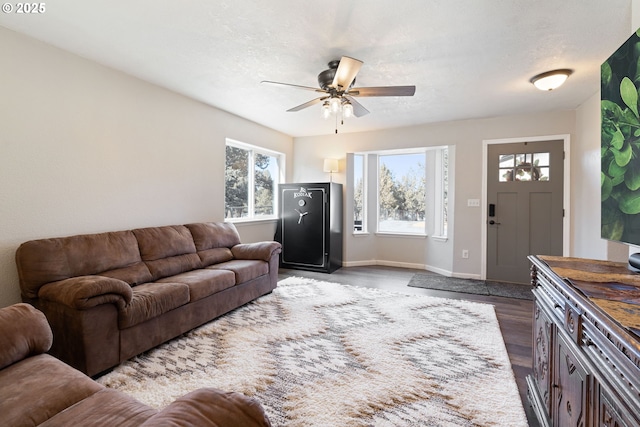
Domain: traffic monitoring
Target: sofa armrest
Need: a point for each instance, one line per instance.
(25, 332)
(260, 250)
(211, 407)
(84, 292)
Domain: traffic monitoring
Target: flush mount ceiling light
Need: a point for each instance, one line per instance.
(551, 79)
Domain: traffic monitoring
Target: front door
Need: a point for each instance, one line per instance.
(524, 212)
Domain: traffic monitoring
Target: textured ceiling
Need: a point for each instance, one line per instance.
(467, 58)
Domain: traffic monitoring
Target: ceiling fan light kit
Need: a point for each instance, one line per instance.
(551, 79)
(336, 85)
(347, 109)
(335, 104)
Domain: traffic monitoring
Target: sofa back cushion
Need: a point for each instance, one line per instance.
(210, 235)
(49, 260)
(214, 241)
(167, 250)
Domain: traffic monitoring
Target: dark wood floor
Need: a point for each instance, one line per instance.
(514, 315)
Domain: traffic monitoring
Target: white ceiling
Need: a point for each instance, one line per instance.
(467, 58)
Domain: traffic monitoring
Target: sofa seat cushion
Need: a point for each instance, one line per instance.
(244, 270)
(151, 300)
(204, 282)
(41, 387)
(107, 407)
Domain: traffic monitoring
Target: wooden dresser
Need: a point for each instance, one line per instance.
(586, 343)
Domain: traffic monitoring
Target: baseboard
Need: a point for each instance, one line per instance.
(401, 264)
(383, 263)
(467, 276)
(358, 263)
(437, 270)
(414, 266)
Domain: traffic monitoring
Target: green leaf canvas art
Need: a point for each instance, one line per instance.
(620, 143)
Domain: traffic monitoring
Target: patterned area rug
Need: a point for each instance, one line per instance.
(470, 286)
(324, 354)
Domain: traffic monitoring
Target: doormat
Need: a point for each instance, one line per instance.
(470, 286)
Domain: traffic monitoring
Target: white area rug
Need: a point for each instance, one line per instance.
(323, 354)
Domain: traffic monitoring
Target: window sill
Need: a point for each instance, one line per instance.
(360, 234)
(440, 238)
(402, 235)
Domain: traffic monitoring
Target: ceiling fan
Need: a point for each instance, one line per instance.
(336, 85)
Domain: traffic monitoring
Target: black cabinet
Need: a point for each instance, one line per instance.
(310, 226)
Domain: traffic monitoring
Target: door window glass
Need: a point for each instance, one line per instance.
(524, 167)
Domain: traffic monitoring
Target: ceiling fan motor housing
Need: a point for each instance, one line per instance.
(325, 78)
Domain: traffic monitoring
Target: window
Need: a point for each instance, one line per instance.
(401, 193)
(252, 175)
(359, 193)
(410, 191)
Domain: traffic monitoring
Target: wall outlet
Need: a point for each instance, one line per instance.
(465, 253)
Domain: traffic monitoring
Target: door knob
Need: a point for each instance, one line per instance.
(492, 222)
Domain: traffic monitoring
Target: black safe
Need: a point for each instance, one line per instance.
(310, 226)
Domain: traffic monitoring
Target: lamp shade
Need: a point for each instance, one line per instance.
(330, 165)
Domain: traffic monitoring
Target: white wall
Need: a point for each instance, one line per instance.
(466, 226)
(84, 149)
(585, 188)
(585, 178)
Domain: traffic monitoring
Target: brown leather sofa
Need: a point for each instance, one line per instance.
(38, 389)
(111, 296)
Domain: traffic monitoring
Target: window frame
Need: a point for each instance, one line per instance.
(365, 161)
(278, 179)
(441, 193)
(436, 206)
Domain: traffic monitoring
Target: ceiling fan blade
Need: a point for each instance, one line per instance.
(307, 104)
(383, 91)
(358, 109)
(315, 89)
(346, 72)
